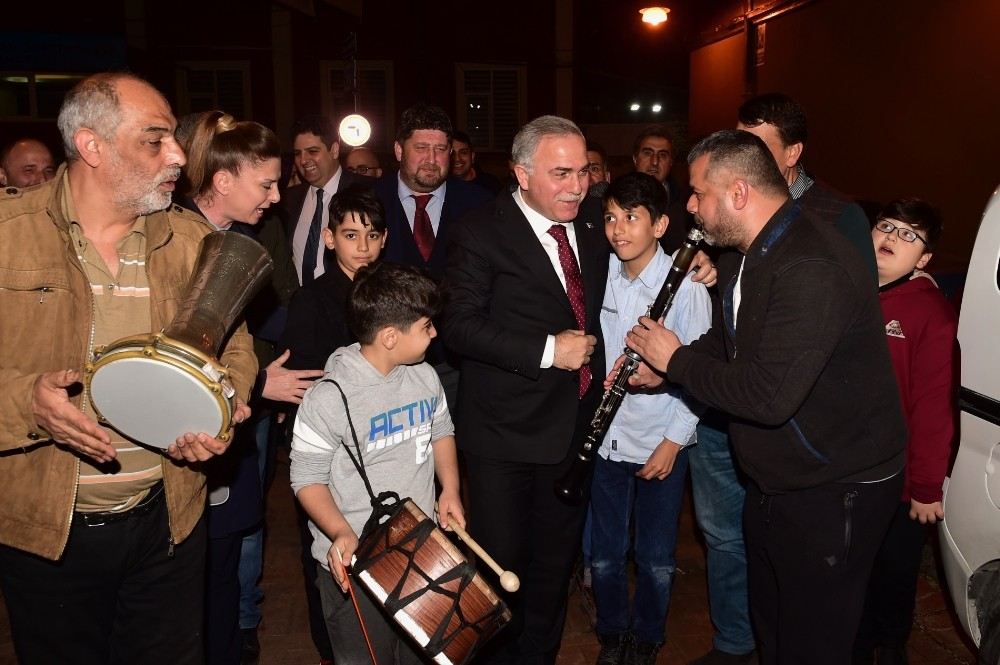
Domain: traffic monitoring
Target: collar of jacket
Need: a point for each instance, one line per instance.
(772, 233)
(158, 229)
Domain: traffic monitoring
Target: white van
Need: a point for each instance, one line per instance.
(970, 532)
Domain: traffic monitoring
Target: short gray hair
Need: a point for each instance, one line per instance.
(527, 140)
(93, 104)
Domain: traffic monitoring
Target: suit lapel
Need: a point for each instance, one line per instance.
(292, 201)
(526, 245)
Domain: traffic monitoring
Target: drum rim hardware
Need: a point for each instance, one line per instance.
(213, 375)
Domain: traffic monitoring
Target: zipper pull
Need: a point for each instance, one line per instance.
(41, 294)
(170, 547)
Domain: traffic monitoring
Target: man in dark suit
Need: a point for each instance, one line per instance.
(304, 208)
(653, 153)
(421, 191)
(423, 205)
(525, 281)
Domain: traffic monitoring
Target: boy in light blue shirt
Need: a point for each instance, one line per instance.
(641, 464)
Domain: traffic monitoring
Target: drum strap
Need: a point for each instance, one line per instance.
(386, 503)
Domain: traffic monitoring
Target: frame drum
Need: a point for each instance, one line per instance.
(154, 389)
(428, 587)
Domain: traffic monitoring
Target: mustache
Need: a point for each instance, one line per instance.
(171, 173)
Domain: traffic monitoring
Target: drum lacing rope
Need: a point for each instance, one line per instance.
(464, 572)
(385, 505)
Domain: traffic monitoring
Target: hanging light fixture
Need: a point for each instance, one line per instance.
(355, 130)
(654, 15)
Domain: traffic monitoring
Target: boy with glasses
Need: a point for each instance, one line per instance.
(921, 328)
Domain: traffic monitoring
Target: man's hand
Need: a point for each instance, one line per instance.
(345, 543)
(661, 462)
(450, 511)
(642, 377)
(201, 447)
(704, 270)
(66, 423)
(653, 342)
(573, 349)
(926, 513)
(287, 385)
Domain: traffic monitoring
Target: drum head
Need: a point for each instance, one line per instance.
(155, 402)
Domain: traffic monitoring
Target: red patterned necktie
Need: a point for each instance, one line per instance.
(574, 289)
(423, 232)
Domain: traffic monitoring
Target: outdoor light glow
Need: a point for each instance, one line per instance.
(634, 107)
(355, 130)
(657, 108)
(654, 15)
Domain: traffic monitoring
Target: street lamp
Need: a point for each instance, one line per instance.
(654, 15)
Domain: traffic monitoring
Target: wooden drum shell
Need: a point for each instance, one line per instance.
(384, 570)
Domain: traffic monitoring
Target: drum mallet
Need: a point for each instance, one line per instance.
(508, 580)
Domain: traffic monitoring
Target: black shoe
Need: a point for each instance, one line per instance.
(716, 657)
(892, 656)
(250, 653)
(614, 649)
(643, 653)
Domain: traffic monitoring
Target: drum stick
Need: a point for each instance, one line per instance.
(508, 580)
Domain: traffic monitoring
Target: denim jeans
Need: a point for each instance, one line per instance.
(655, 506)
(252, 549)
(719, 494)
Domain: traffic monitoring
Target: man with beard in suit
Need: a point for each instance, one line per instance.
(423, 206)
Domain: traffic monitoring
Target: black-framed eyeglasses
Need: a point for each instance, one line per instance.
(907, 235)
(361, 169)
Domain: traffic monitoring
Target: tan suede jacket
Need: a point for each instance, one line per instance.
(45, 319)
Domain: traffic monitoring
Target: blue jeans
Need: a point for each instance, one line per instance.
(252, 549)
(655, 506)
(719, 495)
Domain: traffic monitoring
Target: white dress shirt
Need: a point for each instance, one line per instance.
(301, 234)
(541, 225)
(434, 207)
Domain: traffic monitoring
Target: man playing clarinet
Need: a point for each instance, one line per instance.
(797, 357)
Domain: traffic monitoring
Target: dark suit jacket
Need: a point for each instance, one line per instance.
(293, 198)
(460, 197)
(504, 298)
(681, 220)
(317, 322)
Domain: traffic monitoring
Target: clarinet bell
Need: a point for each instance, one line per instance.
(570, 487)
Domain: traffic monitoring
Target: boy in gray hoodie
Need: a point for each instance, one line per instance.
(405, 437)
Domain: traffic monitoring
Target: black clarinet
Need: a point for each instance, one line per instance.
(570, 486)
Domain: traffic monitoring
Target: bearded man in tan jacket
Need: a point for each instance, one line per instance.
(103, 541)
